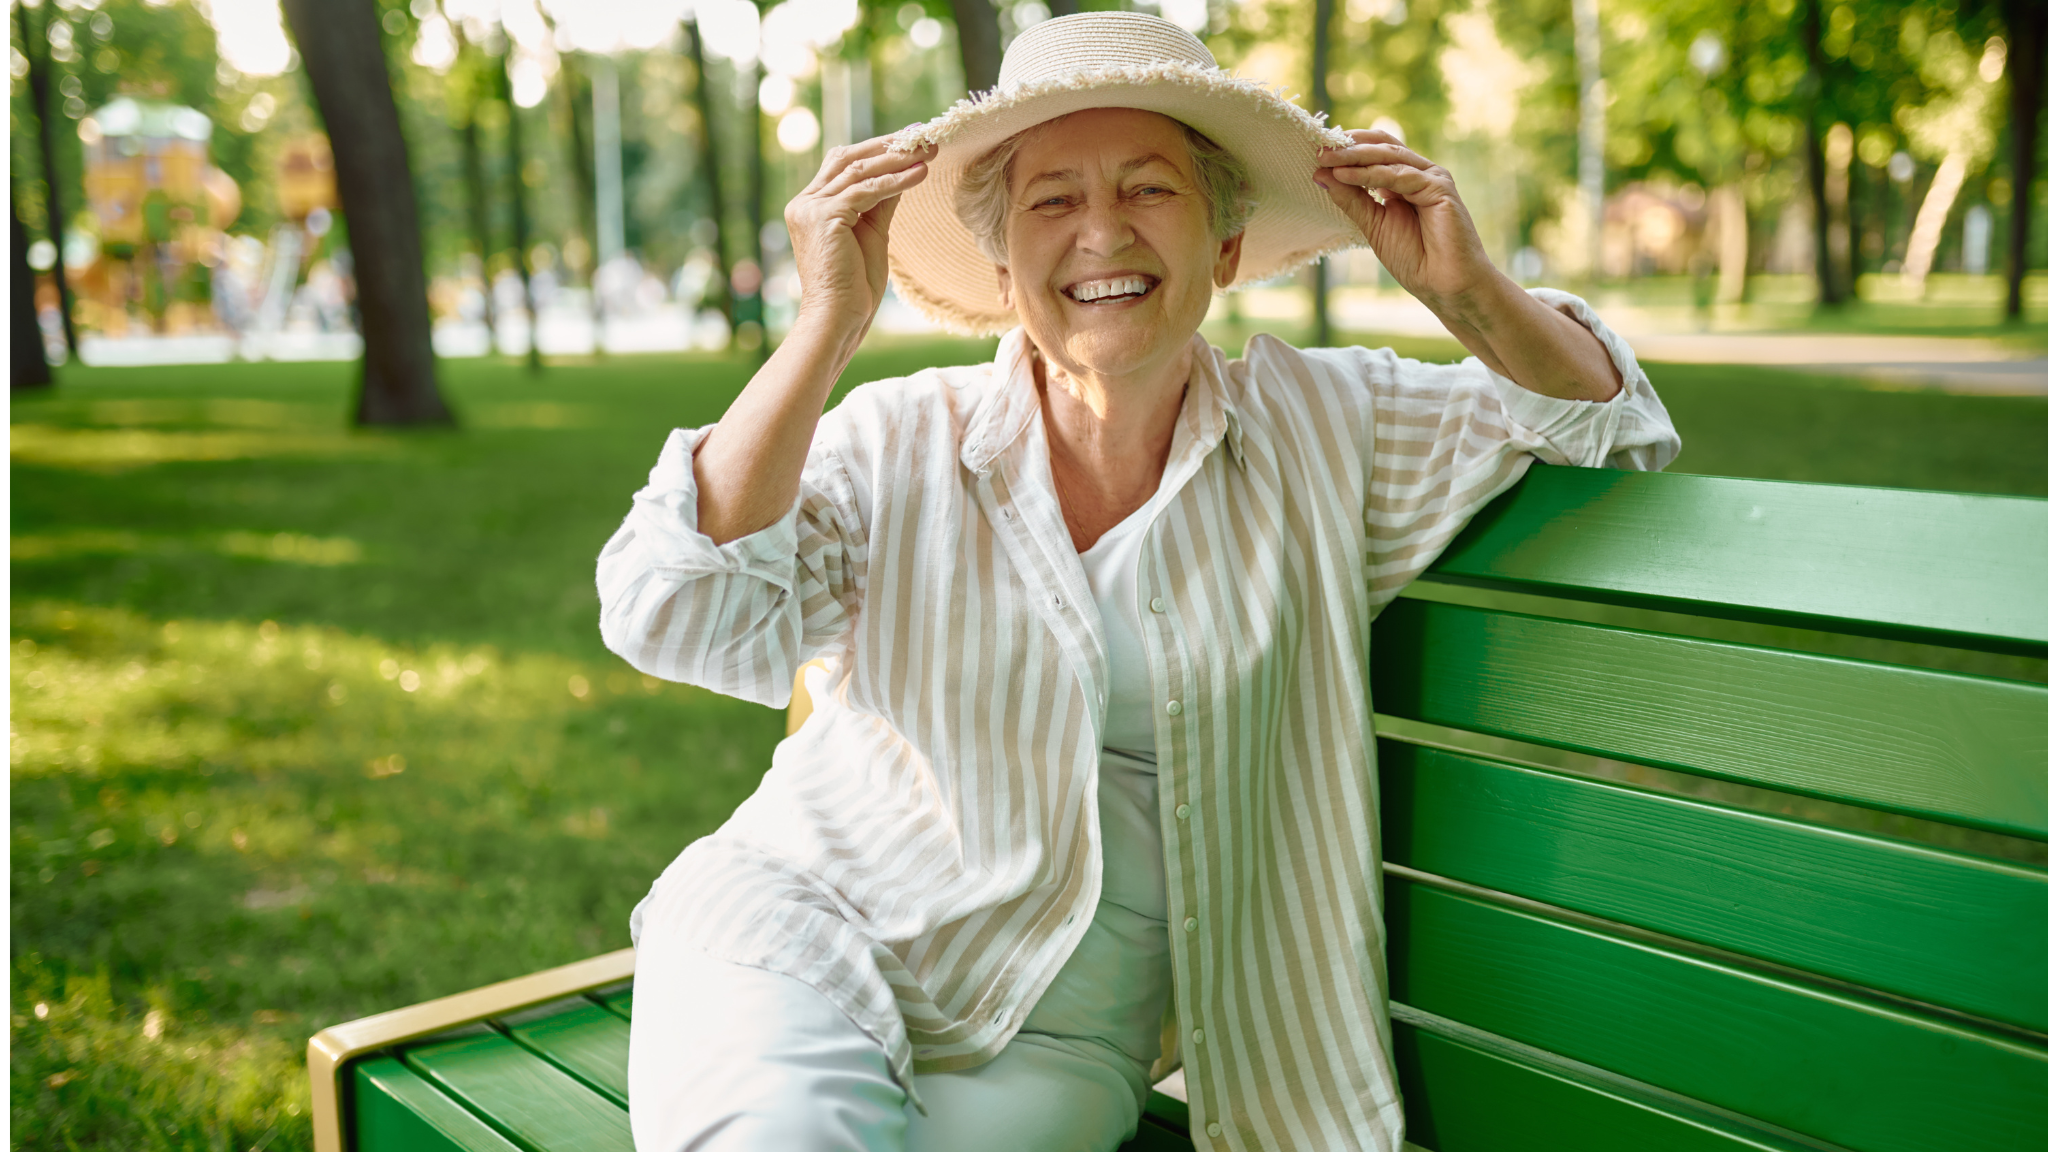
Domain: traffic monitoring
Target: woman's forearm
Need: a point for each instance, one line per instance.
(749, 467)
(1531, 343)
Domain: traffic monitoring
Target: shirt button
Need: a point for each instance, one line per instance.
(1198, 1035)
(1158, 605)
(1173, 708)
(1188, 923)
(1215, 1129)
(1181, 813)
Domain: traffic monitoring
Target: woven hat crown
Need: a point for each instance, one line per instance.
(1089, 40)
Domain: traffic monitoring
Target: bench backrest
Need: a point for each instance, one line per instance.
(1583, 956)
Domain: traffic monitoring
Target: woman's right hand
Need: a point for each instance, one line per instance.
(839, 233)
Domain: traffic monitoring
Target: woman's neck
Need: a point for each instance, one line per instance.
(1109, 438)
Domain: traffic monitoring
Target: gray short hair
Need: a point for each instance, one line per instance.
(982, 197)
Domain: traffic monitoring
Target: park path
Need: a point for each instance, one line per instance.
(1955, 364)
(1967, 364)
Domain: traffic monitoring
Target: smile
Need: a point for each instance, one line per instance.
(1111, 290)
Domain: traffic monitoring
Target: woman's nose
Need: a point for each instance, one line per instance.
(1105, 229)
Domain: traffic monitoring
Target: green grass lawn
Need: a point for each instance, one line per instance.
(310, 723)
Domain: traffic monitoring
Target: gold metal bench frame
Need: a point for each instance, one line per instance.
(328, 1053)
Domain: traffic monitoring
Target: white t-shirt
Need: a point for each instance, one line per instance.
(1112, 567)
(1134, 860)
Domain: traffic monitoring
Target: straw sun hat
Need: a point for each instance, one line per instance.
(1109, 60)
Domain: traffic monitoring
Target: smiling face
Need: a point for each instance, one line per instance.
(1112, 261)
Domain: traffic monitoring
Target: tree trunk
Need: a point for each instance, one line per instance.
(1731, 221)
(1816, 160)
(342, 48)
(522, 242)
(1063, 7)
(707, 159)
(606, 175)
(477, 193)
(582, 160)
(1931, 220)
(2026, 24)
(1592, 130)
(754, 306)
(1841, 161)
(1319, 101)
(981, 43)
(28, 367)
(37, 51)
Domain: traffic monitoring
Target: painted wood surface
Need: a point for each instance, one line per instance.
(1831, 1066)
(581, 1038)
(396, 1111)
(1967, 749)
(618, 1002)
(522, 1095)
(1459, 1098)
(557, 1085)
(1925, 923)
(1963, 568)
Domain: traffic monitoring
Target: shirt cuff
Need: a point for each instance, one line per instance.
(665, 512)
(1540, 413)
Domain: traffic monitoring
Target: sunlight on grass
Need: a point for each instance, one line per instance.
(282, 547)
(129, 448)
(158, 1082)
(227, 834)
(534, 414)
(225, 413)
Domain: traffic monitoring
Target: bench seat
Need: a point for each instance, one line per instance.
(1714, 816)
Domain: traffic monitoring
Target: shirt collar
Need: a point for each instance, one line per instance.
(1208, 411)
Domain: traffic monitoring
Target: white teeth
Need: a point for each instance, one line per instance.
(1115, 286)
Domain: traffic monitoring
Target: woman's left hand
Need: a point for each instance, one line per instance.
(1420, 232)
(1424, 238)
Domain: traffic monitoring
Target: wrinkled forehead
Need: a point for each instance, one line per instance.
(1100, 140)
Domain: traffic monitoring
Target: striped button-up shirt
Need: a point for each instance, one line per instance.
(925, 849)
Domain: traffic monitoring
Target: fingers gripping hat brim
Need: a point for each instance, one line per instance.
(1109, 60)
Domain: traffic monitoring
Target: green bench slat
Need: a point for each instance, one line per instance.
(1950, 746)
(1961, 569)
(619, 1002)
(590, 1042)
(1923, 923)
(1459, 1098)
(581, 1038)
(396, 1111)
(1839, 1069)
(537, 1104)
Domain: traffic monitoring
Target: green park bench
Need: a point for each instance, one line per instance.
(1637, 735)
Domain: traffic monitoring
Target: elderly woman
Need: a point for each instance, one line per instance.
(1089, 790)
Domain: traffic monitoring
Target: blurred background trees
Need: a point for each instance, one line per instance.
(605, 175)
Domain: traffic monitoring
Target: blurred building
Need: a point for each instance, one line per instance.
(159, 205)
(305, 177)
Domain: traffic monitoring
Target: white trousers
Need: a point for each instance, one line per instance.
(728, 1058)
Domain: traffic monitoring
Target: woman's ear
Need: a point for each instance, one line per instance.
(1003, 287)
(1226, 260)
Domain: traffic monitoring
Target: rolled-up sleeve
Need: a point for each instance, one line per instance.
(739, 617)
(1447, 438)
